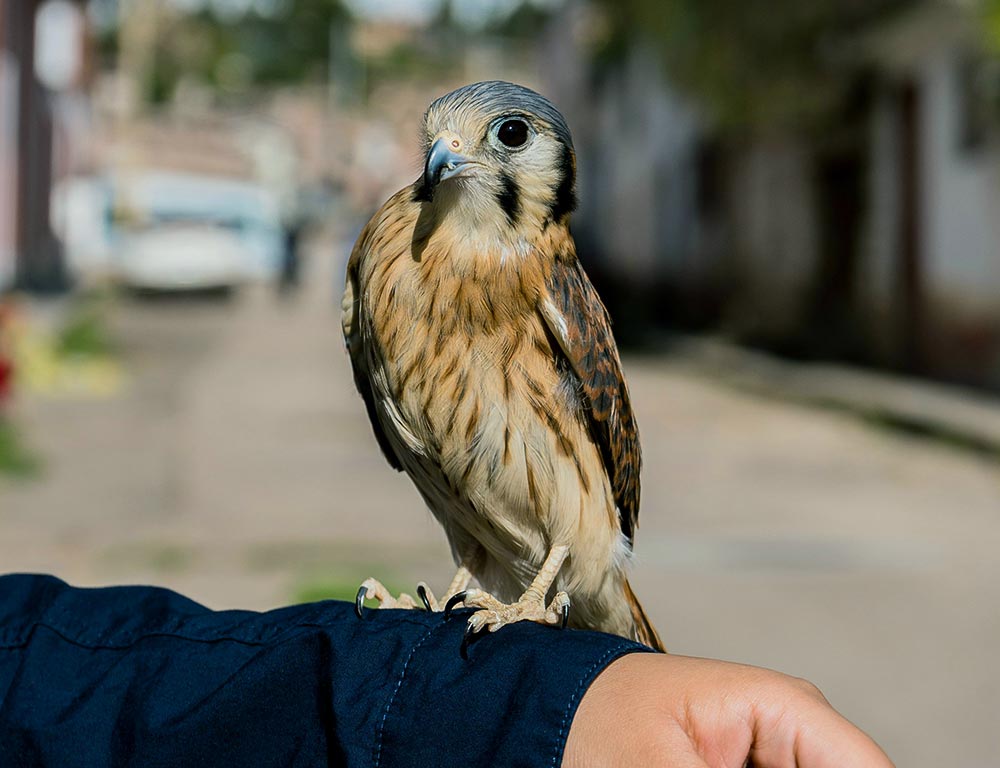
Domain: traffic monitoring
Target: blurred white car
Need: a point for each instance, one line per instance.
(191, 232)
(183, 257)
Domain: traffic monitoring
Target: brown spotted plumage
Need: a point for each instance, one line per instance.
(487, 365)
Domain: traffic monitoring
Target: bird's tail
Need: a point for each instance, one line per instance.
(644, 630)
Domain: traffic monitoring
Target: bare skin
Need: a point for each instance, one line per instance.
(669, 711)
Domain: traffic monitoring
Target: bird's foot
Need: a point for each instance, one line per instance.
(493, 614)
(374, 589)
(430, 602)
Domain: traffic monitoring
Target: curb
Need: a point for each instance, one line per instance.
(961, 417)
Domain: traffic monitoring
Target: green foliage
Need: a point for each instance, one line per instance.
(170, 558)
(85, 333)
(16, 459)
(291, 45)
(991, 24)
(314, 590)
(292, 42)
(409, 60)
(231, 54)
(524, 23)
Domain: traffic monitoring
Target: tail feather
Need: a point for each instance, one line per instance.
(644, 630)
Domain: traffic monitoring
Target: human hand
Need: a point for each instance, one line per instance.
(681, 712)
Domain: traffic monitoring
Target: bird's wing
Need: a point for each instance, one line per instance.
(574, 314)
(350, 319)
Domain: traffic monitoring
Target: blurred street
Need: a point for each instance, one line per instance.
(238, 467)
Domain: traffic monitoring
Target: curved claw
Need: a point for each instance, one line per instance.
(422, 594)
(456, 599)
(565, 616)
(359, 601)
(466, 637)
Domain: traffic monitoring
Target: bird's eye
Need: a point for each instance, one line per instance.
(513, 133)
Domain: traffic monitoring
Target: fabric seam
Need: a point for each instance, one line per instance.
(585, 681)
(392, 698)
(131, 640)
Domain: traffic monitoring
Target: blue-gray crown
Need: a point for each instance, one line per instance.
(498, 97)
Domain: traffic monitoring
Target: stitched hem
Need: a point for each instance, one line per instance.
(128, 641)
(577, 696)
(380, 734)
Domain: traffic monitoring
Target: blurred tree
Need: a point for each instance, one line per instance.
(752, 64)
(523, 23)
(440, 49)
(991, 23)
(780, 86)
(291, 44)
(288, 42)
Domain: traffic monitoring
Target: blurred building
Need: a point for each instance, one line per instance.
(876, 239)
(931, 274)
(638, 222)
(43, 68)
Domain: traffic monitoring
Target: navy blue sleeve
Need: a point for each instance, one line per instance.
(143, 676)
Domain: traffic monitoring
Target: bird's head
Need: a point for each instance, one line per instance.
(501, 152)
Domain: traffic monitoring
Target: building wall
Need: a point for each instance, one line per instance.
(8, 149)
(635, 141)
(31, 256)
(961, 195)
(774, 238)
(958, 224)
(8, 164)
(919, 266)
(882, 237)
(641, 176)
(962, 253)
(636, 226)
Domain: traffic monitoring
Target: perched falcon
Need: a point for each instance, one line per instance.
(486, 362)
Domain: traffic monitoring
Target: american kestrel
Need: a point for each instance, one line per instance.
(486, 362)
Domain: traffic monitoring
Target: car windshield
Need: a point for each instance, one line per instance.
(165, 199)
(230, 223)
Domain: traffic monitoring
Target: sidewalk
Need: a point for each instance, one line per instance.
(962, 417)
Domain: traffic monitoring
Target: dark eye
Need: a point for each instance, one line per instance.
(513, 133)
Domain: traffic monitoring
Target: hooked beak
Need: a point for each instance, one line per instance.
(441, 164)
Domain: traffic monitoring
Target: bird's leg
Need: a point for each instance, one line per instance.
(462, 578)
(493, 614)
(372, 588)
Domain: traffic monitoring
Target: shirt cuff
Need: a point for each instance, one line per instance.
(510, 702)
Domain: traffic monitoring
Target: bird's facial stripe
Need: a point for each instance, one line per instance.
(509, 197)
(565, 195)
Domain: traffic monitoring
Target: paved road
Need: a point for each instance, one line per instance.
(238, 468)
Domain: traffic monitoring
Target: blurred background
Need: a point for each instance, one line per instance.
(791, 208)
